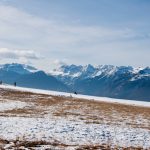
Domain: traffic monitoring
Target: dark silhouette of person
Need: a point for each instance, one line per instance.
(1, 82)
(75, 93)
(15, 84)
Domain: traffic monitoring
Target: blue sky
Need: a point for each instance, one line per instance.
(48, 32)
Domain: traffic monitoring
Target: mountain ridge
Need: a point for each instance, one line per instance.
(107, 80)
(123, 82)
(28, 76)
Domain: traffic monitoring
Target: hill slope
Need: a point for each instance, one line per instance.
(33, 120)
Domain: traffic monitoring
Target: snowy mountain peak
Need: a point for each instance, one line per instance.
(89, 68)
(18, 68)
(145, 71)
(90, 71)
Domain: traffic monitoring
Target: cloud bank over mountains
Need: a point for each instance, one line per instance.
(17, 54)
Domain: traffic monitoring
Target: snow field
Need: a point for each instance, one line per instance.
(66, 119)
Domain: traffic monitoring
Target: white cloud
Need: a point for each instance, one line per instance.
(26, 29)
(6, 53)
(58, 63)
(56, 40)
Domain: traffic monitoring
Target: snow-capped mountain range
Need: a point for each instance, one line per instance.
(123, 82)
(89, 71)
(18, 68)
(28, 76)
(106, 80)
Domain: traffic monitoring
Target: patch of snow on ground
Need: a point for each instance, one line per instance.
(10, 105)
(71, 132)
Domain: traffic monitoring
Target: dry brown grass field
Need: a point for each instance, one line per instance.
(73, 109)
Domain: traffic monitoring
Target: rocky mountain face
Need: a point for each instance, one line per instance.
(123, 82)
(28, 76)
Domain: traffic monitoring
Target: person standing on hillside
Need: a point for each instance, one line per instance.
(75, 92)
(15, 84)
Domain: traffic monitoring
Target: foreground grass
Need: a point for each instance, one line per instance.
(21, 145)
(90, 112)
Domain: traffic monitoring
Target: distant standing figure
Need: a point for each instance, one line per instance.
(1, 82)
(15, 84)
(75, 93)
